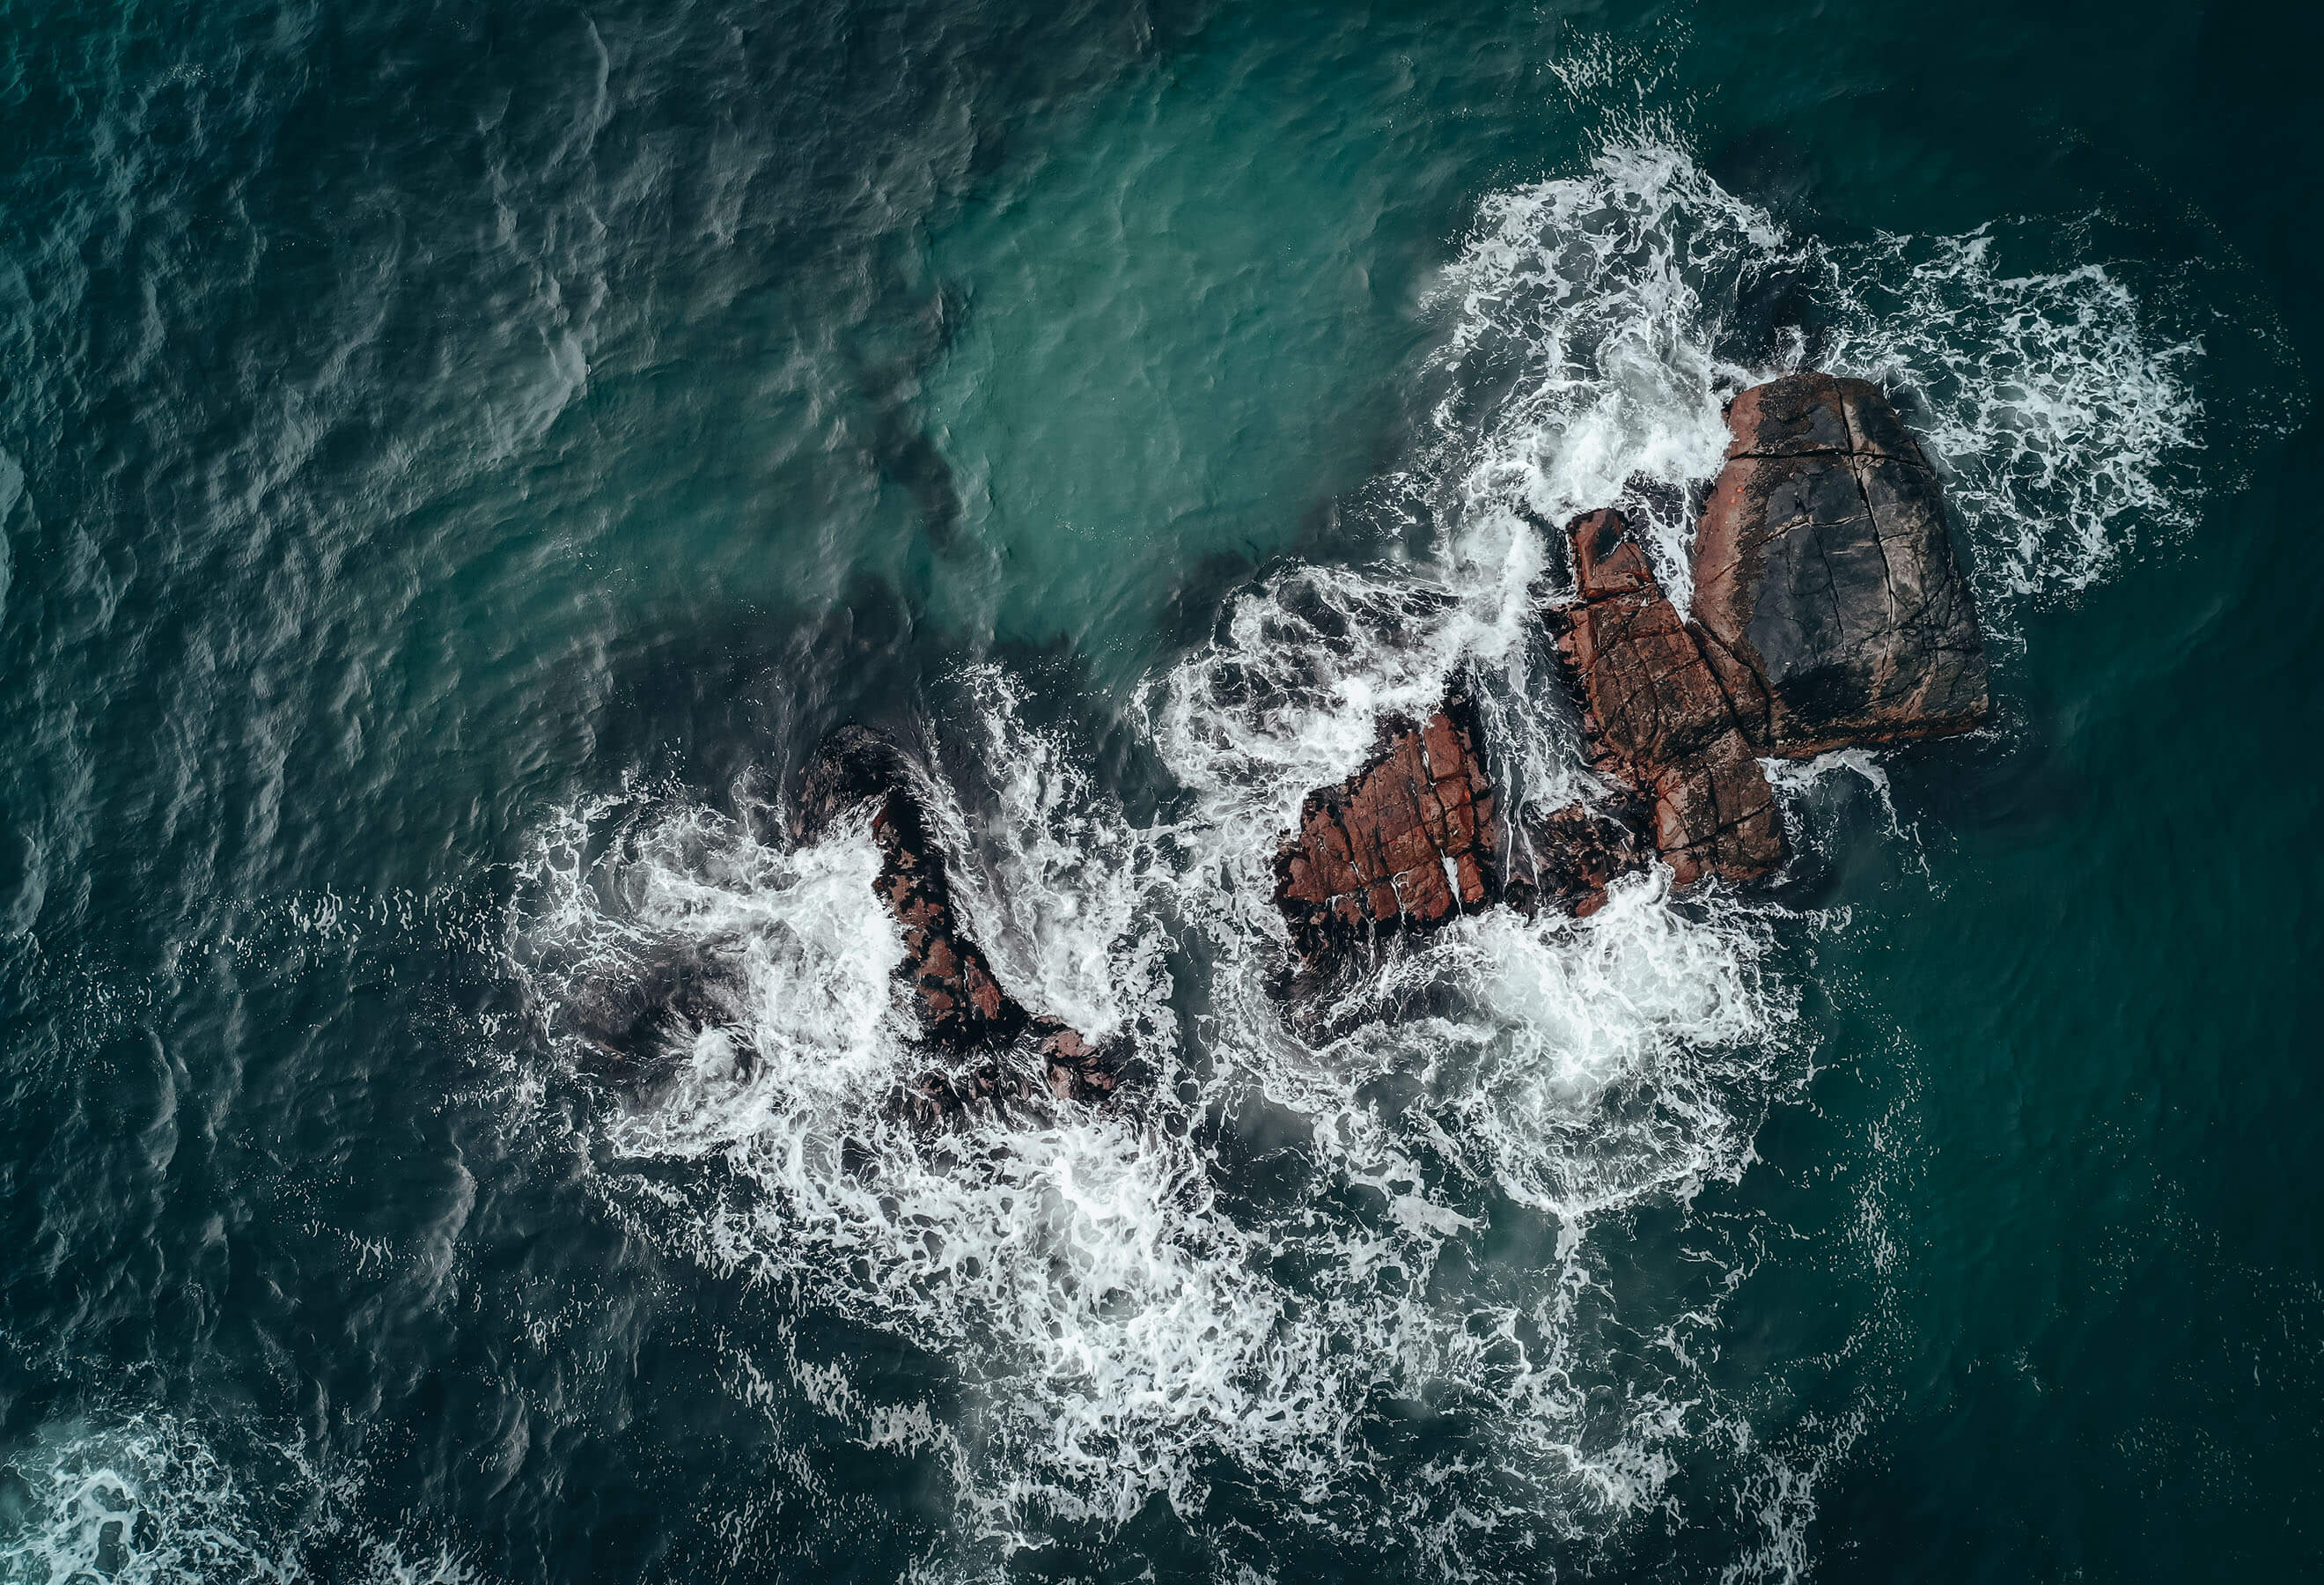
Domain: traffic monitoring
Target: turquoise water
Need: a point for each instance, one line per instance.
(456, 464)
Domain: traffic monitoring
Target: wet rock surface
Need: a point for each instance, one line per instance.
(1567, 860)
(963, 1011)
(1656, 718)
(1410, 841)
(1825, 579)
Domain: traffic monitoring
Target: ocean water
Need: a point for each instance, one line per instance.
(456, 462)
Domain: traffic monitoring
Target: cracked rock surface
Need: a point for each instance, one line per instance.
(1658, 718)
(1406, 843)
(1825, 581)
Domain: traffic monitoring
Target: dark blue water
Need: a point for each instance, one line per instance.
(455, 463)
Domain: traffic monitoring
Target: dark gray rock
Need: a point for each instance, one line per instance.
(1825, 581)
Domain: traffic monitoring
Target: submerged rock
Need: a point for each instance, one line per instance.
(630, 1020)
(1406, 843)
(964, 1010)
(1825, 580)
(1656, 718)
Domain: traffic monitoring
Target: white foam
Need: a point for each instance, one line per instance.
(2065, 422)
(1064, 909)
(796, 957)
(147, 1497)
(1604, 1058)
(1778, 1494)
(1116, 1325)
(1122, 1311)
(1609, 293)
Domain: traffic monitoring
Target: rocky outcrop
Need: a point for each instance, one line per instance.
(1410, 841)
(1824, 579)
(963, 1008)
(1414, 839)
(1656, 718)
(1829, 612)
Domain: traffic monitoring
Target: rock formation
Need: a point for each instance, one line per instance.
(1829, 612)
(1824, 577)
(1408, 842)
(963, 1011)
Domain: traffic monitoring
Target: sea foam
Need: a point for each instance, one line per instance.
(1110, 1305)
(148, 1497)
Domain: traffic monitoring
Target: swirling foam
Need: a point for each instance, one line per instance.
(147, 1498)
(1120, 1306)
(1117, 1315)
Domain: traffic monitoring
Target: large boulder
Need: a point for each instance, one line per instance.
(1825, 582)
(1656, 718)
(1408, 842)
(963, 1009)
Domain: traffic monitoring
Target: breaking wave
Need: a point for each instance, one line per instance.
(1116, 1311)
(1316, 1233)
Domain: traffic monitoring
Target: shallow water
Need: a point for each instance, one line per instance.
(456, 464)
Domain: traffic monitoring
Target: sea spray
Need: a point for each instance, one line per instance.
(1067, 902)
(2063, 418)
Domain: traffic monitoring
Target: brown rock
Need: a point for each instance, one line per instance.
(960, 1002)
(1715, 814)
(1076, 1069)
(1657, 718)
(1406, 843)
(1825, 580)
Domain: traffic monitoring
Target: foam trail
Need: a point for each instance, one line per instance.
(1781, 1494)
